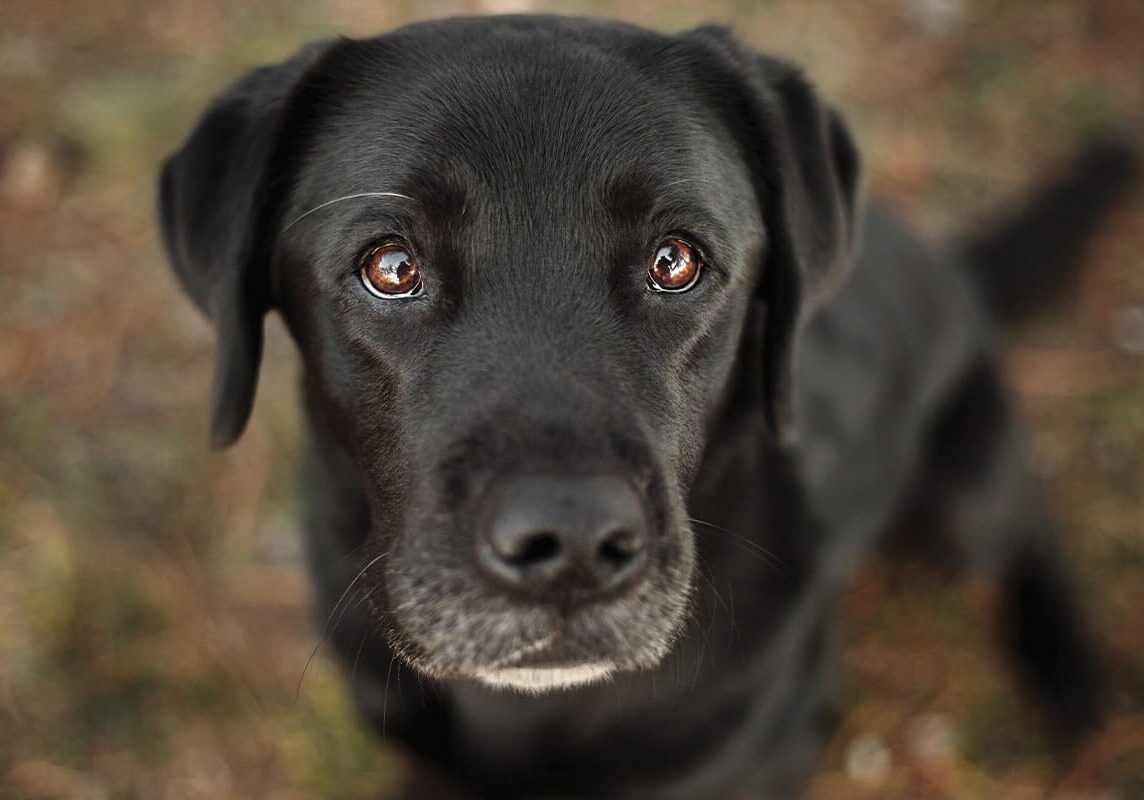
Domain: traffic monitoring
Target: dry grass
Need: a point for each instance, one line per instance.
(153, 613)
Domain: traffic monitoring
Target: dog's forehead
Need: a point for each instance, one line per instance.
(516, 115)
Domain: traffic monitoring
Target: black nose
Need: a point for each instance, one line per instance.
(564, 539)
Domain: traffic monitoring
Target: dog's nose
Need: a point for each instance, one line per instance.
(564, 539)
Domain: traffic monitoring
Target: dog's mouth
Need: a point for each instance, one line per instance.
(556, 653)
(543, 666)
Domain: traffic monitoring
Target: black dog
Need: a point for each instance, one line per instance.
(590, 352)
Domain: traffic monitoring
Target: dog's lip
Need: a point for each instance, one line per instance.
(551, 652)
(519, 656)
(537, 680)
(544, 665)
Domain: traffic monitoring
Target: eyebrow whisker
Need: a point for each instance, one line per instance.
(688, 180)
(298, 219)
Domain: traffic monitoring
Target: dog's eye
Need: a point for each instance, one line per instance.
(391, 271)
(674, 267)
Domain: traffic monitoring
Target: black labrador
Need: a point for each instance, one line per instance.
(610, 382)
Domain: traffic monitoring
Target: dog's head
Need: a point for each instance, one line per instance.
(520, 258)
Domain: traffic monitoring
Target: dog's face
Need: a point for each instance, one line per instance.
(519, 258)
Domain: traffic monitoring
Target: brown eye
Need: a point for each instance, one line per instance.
(674, 266)
(391, 271)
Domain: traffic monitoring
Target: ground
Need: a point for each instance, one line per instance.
(154, 625)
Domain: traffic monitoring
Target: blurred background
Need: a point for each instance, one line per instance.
(154, 612)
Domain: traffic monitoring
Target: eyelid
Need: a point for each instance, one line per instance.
(370, 227)
(688, 220)
(693, 235)
(698, 244)
(379, 242)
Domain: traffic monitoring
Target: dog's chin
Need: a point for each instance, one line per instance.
(539, 680)
(539, 652)
(541, 664)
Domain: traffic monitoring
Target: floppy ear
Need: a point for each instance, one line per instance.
(215, 201)
(805, 169)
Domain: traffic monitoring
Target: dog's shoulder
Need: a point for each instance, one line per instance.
(877, 361)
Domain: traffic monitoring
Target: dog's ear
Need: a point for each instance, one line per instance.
(215, 200)
(805, 171)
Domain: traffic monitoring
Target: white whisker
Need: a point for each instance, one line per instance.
(296, 220)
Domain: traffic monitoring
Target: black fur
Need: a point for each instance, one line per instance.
(777, 419)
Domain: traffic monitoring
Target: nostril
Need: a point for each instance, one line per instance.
(522, 558)
(618, 549)
(555, 537)
(535, 549)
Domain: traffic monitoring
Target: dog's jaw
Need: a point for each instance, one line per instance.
(538, 680)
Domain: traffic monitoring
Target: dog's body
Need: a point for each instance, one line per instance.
(780, 421)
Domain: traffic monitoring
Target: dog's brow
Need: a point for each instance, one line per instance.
(298, 219)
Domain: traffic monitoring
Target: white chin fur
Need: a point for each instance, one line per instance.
(535, 680)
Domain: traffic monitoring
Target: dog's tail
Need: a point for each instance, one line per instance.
(1030, 258)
